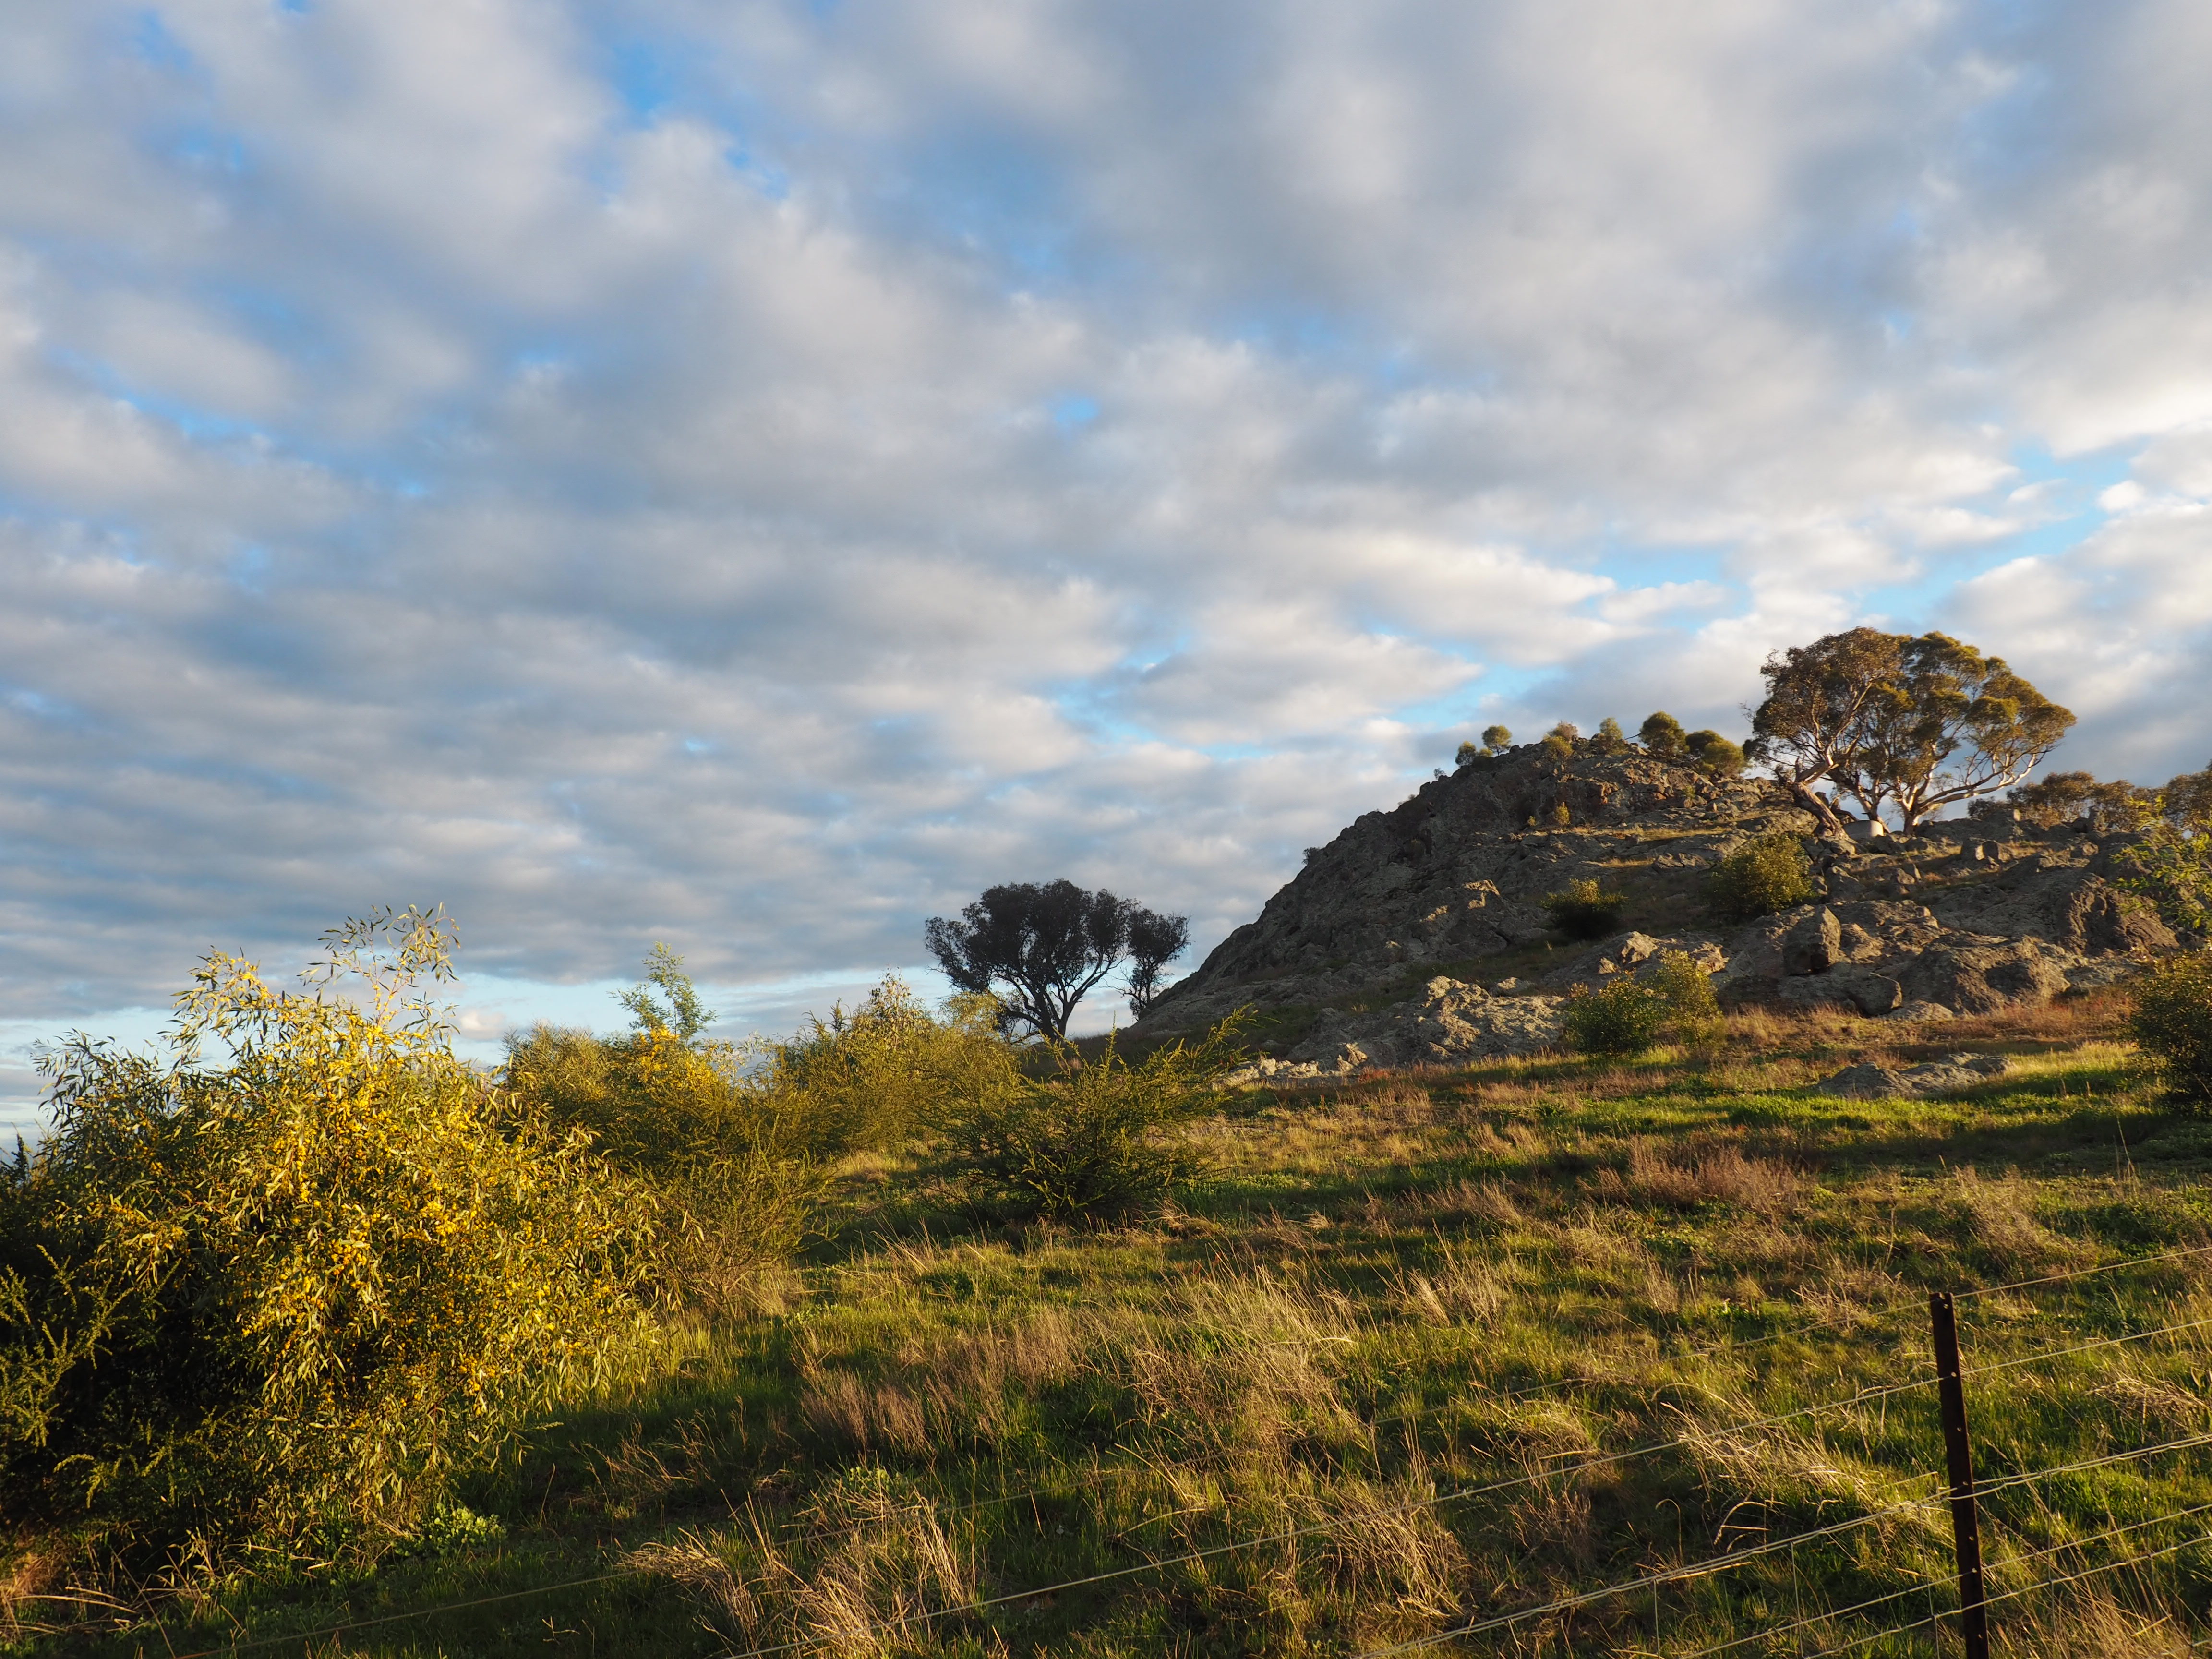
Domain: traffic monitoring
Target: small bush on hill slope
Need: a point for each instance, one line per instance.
(2172, 1022)
(1102, 1138)
(285, 1301)
(1584, 909)
(1764, 875)
(1672, 1002)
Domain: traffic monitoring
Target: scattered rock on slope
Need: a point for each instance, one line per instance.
(1407, 908)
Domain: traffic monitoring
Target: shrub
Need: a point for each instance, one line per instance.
(1584, 910)
(1557, 747)
(1468, 754)
(1766, 874)
(1661, 734)
(1495, 738)
(1102, 1137)
(284, 1302)
(1715, 754)
(1611, 739)
(1671, 1001)
(2173, 1024)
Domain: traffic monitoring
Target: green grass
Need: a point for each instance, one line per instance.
(1391, 1291)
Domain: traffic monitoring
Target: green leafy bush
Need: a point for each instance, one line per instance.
(1671, 1002)
(1102, 1137)
(1584, 909)
(1713, 754)
(2173, 1024)
(1766, 874)
(284, 1301)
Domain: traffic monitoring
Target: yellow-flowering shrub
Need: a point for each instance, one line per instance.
(284, 1299)
(731, 1138)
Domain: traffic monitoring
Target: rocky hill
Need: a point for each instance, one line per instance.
(1418, 935)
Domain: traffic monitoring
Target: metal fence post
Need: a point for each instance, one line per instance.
(1959, 1454)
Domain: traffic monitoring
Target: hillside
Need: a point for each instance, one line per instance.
(1418, 936)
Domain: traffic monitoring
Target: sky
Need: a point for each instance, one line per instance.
(752, 473)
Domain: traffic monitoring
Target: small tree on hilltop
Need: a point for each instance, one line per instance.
(1715, 754)
(1661, 734)
(1039, 948)
(1495, 738)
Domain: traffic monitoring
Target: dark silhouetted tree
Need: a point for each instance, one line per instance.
(1038, 947)
(1155, 941)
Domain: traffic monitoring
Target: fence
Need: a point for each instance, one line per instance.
(1964, 1600)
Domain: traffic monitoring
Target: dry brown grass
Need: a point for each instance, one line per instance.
(1700, 1171)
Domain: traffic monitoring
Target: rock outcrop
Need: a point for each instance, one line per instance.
(1420, 936)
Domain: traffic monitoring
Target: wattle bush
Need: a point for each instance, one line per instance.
(1763, 876)
(2172, 1025)
(1584, 909)
(1672, 1001)
(284, 1301)
(1100, 1138)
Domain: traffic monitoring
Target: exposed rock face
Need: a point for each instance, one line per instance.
(1455, 1023)
(1872, 1082)
(1403, 906)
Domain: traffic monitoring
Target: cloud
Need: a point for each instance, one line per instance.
(751, 474)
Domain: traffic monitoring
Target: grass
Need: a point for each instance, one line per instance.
(1392, 1292)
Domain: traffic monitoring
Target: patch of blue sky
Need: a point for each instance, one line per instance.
(1074, 411)
(37, 704)
(205, 148)
(151, 39)
(194, 421)
(2072, 515)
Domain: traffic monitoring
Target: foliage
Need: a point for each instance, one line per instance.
(1661, 734)
(1766, 874)
(1673, 1001)
(869, 1079)
(1468, 754)
(1154, 941)
(1584, 909)
(1713, 754)
(1102, 1138)
(285, 1301)
(677, 1007)
(1495, 738)
(2064, 797)
(1558, 747)
(2171, 865)
(1040, 948)
(1952, 723)
(2173, 1024)
(1610, 739)
(1888, 718)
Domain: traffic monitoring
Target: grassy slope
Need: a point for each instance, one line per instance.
(1394, 1291)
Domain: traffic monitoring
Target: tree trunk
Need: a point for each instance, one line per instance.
(1800, 790)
